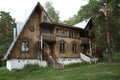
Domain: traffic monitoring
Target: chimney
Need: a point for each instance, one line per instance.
(14, 33)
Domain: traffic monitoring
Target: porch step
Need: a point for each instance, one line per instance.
(49, 58)
(58, 66)
(53, 62)
(88, 58)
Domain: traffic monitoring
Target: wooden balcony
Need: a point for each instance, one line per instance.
(49, 37)
(84, 40)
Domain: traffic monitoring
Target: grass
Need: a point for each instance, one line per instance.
(100, 71)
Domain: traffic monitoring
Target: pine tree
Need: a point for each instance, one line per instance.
(53, 14)
(6, 34)
(105, 15)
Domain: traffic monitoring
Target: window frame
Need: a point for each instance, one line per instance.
(62, 47)
(74, 47)
(25, 46)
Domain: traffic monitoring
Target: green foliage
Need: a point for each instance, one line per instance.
(102, 23)
(85, 12)
(53, 14)
(6, 28)
(100, 26)
(98, 71)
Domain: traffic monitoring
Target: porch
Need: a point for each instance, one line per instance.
(84, 40)
(48, 37)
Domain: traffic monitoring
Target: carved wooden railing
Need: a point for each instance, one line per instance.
(88, 58)
(47, 51)
(53, 62)
(85, 58)
(49, 37)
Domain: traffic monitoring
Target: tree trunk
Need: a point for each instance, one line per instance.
(109, 49)
(109, 55)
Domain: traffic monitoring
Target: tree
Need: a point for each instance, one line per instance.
(53, 14)
(6, 34)
(105, 23)
(71, 20)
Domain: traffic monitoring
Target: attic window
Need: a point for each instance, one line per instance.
(45, 18)
(25, 46)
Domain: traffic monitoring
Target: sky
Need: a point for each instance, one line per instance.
(20, 9)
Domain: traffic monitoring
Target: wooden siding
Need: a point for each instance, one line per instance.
(31, 30)
(68, 47)
(68, 44)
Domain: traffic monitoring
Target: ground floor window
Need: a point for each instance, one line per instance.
(62, 46)
(74, 47)
(25, 46)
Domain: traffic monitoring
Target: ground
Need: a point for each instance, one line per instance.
(99, 71)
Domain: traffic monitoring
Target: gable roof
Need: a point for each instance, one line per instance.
(82, 24)
(38, 5)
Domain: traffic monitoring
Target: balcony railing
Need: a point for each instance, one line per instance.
(49, 37)
(84, 40)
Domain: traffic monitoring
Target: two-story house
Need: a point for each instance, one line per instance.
(43, 42)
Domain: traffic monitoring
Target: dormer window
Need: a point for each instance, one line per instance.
(25, 46)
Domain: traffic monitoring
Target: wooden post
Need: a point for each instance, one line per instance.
(90, 48)
(41, 47)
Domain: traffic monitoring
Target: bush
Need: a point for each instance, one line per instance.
(2, 63)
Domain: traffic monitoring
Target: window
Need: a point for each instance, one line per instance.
(45, 30)
(58, 32)
(67, 33)
(45, 18)
(62, 47)
(25, 46)
(74, 35)
(70, 34)
(74, 47)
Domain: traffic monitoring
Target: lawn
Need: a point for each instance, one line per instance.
(99, 71)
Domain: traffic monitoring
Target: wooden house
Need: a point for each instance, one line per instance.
(43, 42)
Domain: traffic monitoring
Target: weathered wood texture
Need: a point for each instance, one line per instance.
(68, 45)
(56, 33)
(30, 32)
